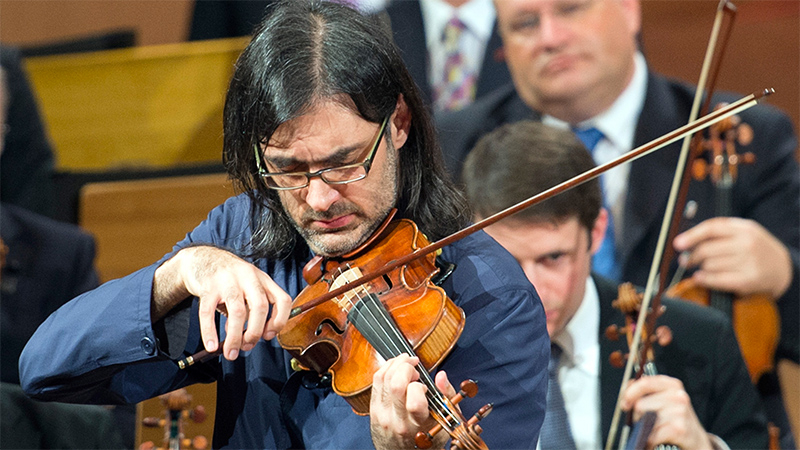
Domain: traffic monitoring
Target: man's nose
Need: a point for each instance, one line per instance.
(320, 195)
(552, 31)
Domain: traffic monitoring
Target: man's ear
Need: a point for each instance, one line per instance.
(599, 230)
(632, 10)
(400, 122)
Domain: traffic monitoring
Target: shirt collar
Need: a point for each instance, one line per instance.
(477, 15)
(618, 123)
(579, 339)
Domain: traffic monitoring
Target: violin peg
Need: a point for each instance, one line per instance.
(664, 335)
(199, 443)
(484, 411)
(612, 333)
(617, 360)
(699, 169)
(469, 388)
(151, 422)
(744, 135)
(198, 414)
(423, 440)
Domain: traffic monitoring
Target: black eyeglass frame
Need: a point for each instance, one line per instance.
(366, 164)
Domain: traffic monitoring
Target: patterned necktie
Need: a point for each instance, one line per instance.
(456, 88)
(604, 261)
(556, 432)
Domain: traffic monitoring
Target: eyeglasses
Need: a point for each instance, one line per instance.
(284, 181)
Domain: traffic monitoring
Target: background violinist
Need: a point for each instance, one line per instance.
(577, 64)
(703, 397)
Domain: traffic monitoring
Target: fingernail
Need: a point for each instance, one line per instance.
(246, 347)
(269, 335)
(233, 353)
(211, 345)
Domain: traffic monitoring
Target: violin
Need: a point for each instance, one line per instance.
(401, 312)
(754, 317)
(379, 302)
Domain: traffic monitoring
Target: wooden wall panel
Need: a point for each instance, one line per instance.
(764, 49)
(38, 21)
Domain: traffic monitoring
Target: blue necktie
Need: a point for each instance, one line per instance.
(604, 261)
(556, 432)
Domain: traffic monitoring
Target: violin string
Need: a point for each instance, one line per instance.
(396, 344)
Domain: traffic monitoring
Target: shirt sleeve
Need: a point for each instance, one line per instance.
(504, 347)
(102, 347)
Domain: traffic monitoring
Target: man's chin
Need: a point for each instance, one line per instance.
(334, 243)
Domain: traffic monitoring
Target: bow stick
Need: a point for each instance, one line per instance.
(656, 144)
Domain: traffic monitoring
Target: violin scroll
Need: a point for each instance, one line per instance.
(471, 429)
(629, 302)
(721, 150)
(176, 404)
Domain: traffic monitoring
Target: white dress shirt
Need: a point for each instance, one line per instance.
(579, 371)
(618, 125)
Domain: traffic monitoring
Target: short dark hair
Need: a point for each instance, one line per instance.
(519, 160)
(305, 51)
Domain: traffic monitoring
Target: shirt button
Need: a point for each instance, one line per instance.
(147, 346)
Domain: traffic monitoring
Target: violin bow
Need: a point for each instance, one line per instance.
(669, 226)
(656, 144)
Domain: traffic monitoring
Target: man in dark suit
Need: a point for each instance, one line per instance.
(47, 263)
(27, 161)
(554, 242)
(576, 64)
(417, 26)
(43, 264)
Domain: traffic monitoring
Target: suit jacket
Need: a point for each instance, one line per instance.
(766, 191)
(48, 263)
(26, 423)
(408, 30)
(27, 161)
(704, 355)
(217, 19)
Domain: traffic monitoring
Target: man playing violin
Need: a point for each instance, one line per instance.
(703, 396)
(576, 64)
(325, 132)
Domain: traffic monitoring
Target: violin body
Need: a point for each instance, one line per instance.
(325, 340)
(755, 320)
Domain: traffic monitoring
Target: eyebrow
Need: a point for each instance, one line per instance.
(338, 157)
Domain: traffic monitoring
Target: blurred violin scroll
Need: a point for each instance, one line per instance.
(176, 404)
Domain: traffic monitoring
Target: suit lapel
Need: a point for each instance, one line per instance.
(494, 71)
(651, 176)
(408, 31)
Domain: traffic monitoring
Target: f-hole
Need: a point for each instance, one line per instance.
(331, 324)
(388, 281)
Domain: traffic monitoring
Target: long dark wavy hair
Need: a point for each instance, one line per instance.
(307, 51)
